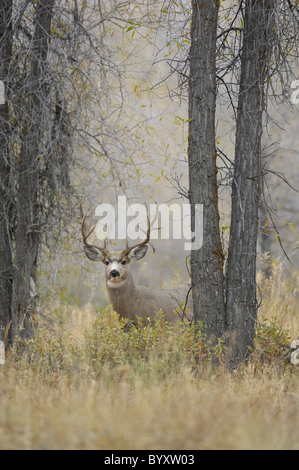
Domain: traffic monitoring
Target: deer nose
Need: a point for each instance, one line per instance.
(114, 273)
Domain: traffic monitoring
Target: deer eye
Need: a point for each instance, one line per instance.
(124, 262)
(106, 262)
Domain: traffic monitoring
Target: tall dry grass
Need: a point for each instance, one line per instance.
(86, 382)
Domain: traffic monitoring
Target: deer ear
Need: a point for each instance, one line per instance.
(93, 253)
(139, 252)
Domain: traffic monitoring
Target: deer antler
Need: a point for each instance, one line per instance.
(85, 235)
(144, 242)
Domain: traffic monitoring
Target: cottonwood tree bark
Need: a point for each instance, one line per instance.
(20, 165)
(28, 222)
(206, 263)
(6, 269)
(227, 306)
(246, 187)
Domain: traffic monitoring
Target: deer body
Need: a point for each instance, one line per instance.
(131, 301)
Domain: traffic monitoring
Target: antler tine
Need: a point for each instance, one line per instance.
(146, 241)
(86, 236)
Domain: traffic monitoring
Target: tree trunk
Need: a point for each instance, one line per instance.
(28, 224)
(207, 262)
(241, 265)
(6, 270)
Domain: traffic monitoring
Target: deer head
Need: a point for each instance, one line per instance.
(128, 300)
(116, 262)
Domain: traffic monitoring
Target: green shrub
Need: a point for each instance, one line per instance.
(147, 346)
(272, 342)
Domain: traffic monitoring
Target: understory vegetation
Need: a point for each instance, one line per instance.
(88, 381)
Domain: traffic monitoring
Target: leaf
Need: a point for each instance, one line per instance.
(290, 225)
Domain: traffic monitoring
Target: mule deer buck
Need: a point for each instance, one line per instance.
(131, 301)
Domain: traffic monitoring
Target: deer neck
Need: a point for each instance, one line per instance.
(122, 295)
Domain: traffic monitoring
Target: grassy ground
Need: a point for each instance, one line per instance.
(87, 383)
